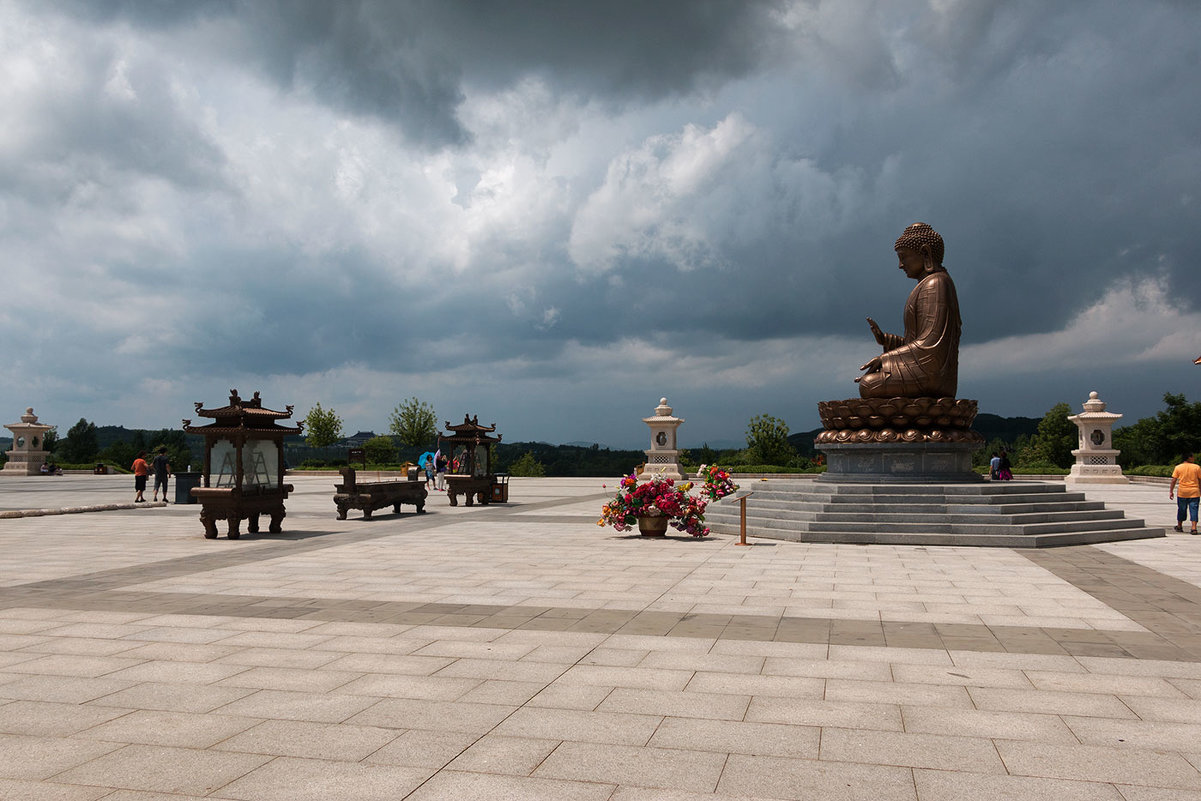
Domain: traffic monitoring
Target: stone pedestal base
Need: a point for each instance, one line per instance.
(900, 462)
(25, 463)
(1095, 474)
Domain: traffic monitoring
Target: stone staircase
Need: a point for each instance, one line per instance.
(1012, 514)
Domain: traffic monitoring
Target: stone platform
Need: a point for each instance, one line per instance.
(1011, 514)
(519, 651)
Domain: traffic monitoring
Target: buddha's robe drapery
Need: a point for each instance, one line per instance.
(925, 361)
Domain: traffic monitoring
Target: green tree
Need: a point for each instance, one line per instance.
(527, 465)
(1163, 438)
(1054, 440)
(324, 427)
(414, 423)
(81, 446)
(50, 441)
(767, 440)
(380, 450)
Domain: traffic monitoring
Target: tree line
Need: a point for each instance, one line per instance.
(1034, 445)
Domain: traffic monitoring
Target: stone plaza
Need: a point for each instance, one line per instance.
(518, 651)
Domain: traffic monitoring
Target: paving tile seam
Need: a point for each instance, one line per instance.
(758, 628)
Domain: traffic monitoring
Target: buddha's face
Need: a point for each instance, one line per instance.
(912, 262)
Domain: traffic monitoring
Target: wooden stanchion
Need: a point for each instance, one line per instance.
(742, 519)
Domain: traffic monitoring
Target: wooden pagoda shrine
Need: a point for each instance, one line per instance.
(470, 455)
(243, 465)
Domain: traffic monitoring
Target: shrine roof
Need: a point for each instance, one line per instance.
(243, 408)
(223, 427)
(470, 429)
(243, 415)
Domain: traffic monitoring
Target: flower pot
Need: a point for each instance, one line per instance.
(653, 526)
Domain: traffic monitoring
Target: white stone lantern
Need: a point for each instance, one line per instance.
(663, 458)
(1096, 459)
(28, 453)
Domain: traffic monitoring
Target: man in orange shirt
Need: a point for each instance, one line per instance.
(140, 471)
(1188, 475)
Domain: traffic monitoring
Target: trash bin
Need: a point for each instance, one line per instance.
(500, 488)
(183, 486)
(412, 473)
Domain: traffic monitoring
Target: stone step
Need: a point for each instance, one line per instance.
(975, 528)
(876, 516)
(1009, 540)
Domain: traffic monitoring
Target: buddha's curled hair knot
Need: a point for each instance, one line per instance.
(919, 234)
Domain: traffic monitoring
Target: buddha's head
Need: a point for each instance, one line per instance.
(919, 250)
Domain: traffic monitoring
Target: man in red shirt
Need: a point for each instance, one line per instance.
(1188, 475)
(140, 471)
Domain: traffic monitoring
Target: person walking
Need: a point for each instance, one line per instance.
(994, 465)
(162, 469)
(140, 471)
(1188, 475)
(439, 471)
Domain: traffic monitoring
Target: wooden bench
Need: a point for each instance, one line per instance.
(373, 495)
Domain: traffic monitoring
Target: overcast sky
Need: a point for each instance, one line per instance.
(551, 213)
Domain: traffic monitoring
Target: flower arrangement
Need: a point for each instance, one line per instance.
(718, 483)
(659, 497)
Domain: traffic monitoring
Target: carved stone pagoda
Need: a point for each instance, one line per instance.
(470, 457)
(28, 453)
(243, 465)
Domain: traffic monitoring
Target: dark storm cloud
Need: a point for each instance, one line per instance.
(588, 200)
(408, 61)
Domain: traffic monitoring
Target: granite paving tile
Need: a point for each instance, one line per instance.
(687, 704)
(803, 779)
(284, 705)
(50, 791)
(310, 740)
(1050, 702)
(47, 719)
(180, 729)
(485, 787)
(737, 737)
(409, 713)
(1098, 764)
(969, 754)
(987, 723)
(289, 779)
(580, 726)
(172, 697)
(1153, 735)
(645, 767)
(897, 693)
(23, 757)
(937, 785)
(419, 748)
(817, 712)
(65, 690)
(165, 770)
(499, 754)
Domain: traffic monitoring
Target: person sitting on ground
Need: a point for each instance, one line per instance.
(1004, 468)
(1188, 475)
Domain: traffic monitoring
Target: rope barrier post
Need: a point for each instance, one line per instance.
(742, 519)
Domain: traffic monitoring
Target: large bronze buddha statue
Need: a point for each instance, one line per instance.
(924, 361)
(907, 394)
